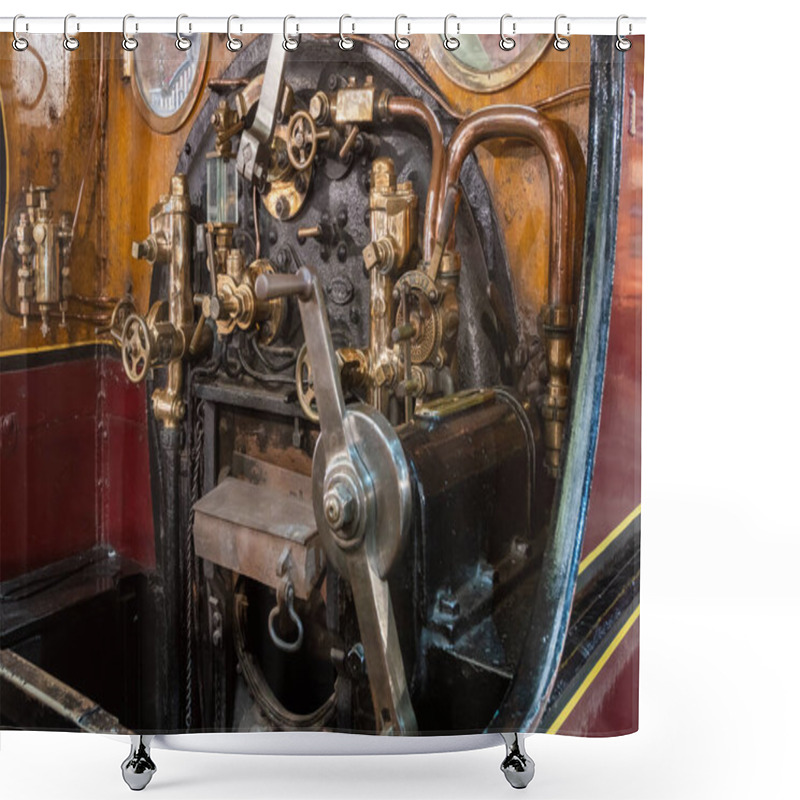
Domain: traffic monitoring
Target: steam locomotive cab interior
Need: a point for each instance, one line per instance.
(334, 315)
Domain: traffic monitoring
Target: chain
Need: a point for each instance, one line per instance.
(197, 474)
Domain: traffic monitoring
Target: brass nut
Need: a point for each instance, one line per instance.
(384, 374)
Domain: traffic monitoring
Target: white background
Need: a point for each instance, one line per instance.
(720, 532)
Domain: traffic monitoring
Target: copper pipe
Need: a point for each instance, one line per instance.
(416, 109)
(518, 122)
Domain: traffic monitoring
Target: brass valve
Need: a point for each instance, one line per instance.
(43, 245)
(161, 338)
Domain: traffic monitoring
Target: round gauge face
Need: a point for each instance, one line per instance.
(166, 81)
(481, 65)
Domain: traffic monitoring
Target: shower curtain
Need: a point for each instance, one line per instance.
(219, 265)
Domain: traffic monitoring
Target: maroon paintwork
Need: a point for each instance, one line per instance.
(74, 466)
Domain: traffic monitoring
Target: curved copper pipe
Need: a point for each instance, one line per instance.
(416, 109)
(518, 122)
(521, 122)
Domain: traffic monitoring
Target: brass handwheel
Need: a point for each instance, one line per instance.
(122, 310)
(304, 379)
(302, 140)
(136, 348)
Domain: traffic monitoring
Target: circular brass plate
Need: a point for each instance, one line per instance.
(165, 81)
(481, 65)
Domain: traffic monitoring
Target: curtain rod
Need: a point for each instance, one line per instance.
(406, 25)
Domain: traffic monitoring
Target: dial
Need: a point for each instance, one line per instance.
(166, 82)
(481, 65)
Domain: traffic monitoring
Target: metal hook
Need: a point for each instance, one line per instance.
(18, 43)
(181, 42)
(400, 42)
(285, 596)
(622, 43)
(70, 42)
(506, 42)
(233, 44)
(289, 42)
(345, 42)
(560, 42)
(129, 43)
(451, 42)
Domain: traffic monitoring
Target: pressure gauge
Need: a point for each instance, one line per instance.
(480, 65)
(166, 81)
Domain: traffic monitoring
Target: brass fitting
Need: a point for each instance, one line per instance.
(557, 324)
(393, 225)
(169, 323)
(43, 245)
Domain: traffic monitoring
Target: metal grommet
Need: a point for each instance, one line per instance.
(400, 42)
(181, 42)
(289, 42)
(506, 42)
(345, 42)
(622, 43)
(233, 44)
(70, 42)
(18, 43)
(560, 42)
(129, 43)
(450, 42)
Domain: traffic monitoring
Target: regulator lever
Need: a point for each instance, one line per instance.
(257, 137)
(361, 485)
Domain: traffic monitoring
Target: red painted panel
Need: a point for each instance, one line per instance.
(127, 503)
(74, 465)
(610, 706)
(47, 472)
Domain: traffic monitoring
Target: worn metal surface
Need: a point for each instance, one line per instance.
(32, 698)
(264, 529)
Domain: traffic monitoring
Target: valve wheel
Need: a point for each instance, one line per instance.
(302, 140)
(136, 348)
(122, 310)
(304, 380)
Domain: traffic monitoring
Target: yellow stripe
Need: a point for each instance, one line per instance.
(45, 347)
(610, 538)
(588, 680)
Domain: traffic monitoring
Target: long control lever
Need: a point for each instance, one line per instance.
(362, 500)
(255, 139)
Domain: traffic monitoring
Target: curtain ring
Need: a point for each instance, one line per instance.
(181, 42)
(622, 44)
(70, 42)
(506, 42)
(450, 42)
(345, 42)
(129, 43)
(289, 42)
(400, 42)
(18, 43)
(560, 42)
(233, 44)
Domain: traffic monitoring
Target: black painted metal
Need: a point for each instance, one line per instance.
(603, 603)
(535, 675)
